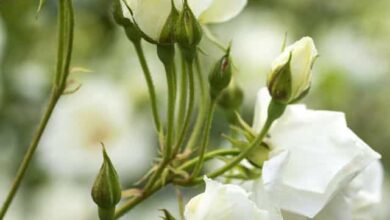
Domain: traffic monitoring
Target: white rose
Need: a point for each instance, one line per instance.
(220, 201)
(290, 75)
(358, 201)
(151, 15)
(313, 155)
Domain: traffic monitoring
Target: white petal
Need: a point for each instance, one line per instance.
(219, 201)
(151, 15)
(222, 10)
(264, 201)
(365, 192)
(323, 156)
(197, 6)
(358, 201)
(261, 109)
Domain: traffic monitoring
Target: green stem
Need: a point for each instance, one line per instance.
(152, 181)
(183, 95)
(132, 203)
(169, 68)
(205, 140)
(190, 109)
(29, 154)
(65, 45)
(202, 107)
(275, 110)
(149, 82)
(129, 205)
(208, 156)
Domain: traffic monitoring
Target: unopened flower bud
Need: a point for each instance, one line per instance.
(290, 77)
(167, 35)
(106, 191)
(188, 31)
(220, 76)
(122, 16)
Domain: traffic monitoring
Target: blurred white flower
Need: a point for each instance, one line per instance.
(62, 200)
(152, 21)
(314, 155)
(99, 112)
(290, 76)
(358, 201)
(31, 80)
(220, 201)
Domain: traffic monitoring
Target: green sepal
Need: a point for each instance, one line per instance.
(280, 83)
(168, 35)
(220, 76)
(106, 191)
(188, 32)
(167, 215)
(166, 54)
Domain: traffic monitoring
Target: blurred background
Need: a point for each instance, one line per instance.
(352, 76)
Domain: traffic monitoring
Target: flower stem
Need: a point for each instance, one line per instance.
(65, 45)
(183, 95)
(205, 140)
(275, 110)
(149, 82)
(166, 54)
(208, 156)
(202, 107)
(132, 203)
(29, 154)
(190, 109)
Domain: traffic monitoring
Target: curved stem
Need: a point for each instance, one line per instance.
(205, 140)
(65, 45)
(29, 154)
(208, 156)
(202, 107)
(190, 109)
(129, 205)
(275, 110)
(169, 68)
(183, 95)
(149, 82)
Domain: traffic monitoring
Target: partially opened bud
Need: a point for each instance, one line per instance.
(188, 31)
(220, 76)
(106, 191)
(290, 77)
